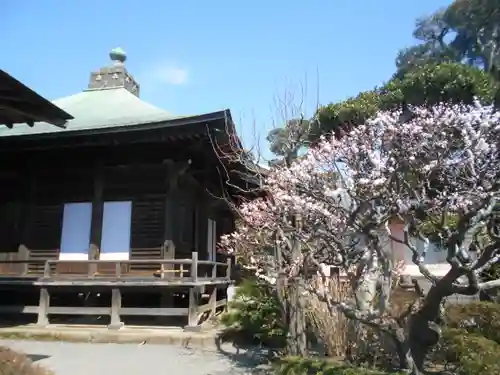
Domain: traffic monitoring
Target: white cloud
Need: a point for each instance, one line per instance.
(170, 74)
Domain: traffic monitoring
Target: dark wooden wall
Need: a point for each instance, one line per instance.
(35, 186)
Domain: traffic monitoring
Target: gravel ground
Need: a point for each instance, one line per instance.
(66, 358)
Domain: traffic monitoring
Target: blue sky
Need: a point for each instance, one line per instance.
(195, 56)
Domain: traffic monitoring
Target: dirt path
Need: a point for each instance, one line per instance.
(131, 359)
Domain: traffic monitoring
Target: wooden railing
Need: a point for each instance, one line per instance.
(168, 269)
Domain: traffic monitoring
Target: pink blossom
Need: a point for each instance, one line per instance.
(385, 167)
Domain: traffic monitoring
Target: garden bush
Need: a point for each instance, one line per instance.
(482, 318)
(13, 363)
(471, 353)
(256, 315)
(311, 366)
(426, 84)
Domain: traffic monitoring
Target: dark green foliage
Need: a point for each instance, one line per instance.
(466, 31)
(310, 366)
(425, 85)
(256, 315)
(471, 341)
(287, 141)
(484, 315)
(446, 82)
(340, 117)
(457, 58)
(492, 273)
(472, 354)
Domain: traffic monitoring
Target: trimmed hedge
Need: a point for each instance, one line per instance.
(255, 315)
(311, 366)
(427, 84)
(481, 318)
(14, 363)
(471, 340)
(471, 353)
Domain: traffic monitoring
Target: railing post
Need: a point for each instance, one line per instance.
(46, 269)
(194, 301)
(24, 254)
(116, 305)
(181, 270)
(167, 270)
(118, 270)
(194, 266)
(214, 270)
(228, 269)
(43, 308)
(91, 269)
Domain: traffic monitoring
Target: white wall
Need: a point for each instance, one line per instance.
(435, 258)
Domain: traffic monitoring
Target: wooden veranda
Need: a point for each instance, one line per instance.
(203, 282)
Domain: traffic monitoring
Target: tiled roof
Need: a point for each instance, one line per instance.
(19, 104)
(97, 109)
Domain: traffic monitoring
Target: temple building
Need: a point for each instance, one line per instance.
(118, 179)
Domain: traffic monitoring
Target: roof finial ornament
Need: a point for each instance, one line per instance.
(118, 55)
(114, 75)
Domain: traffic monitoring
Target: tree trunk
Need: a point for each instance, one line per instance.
(425, 331)
(296, 343)
(406, 361)
(297, 335)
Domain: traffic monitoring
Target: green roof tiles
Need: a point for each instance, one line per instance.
(97, 109)
(111, 100)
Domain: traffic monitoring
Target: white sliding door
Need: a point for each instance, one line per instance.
(116, 230)
(75, 236)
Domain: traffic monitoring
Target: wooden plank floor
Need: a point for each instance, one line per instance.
(80, 280)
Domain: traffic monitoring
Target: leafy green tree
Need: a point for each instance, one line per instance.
(286, 142)
(424, 85)
(467, 31)
(456, 58)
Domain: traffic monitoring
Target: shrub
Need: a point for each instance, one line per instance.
(255, 314)
(426, 84)
(482, 318)
(13, 363)
(311, 366)
(489, 274)
(471, 353)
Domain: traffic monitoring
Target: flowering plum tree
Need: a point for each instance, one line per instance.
(336, 202)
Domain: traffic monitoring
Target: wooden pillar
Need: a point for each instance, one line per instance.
(28, 208)
(194, 301)
(23, 254)
(196, 229)
(116, 305)
(167, 270)
(43, 308)
(194, 266)
(228, 268)
(166, 295)
(213, 301)
(97, 217)
(202, 229)
(171, 187)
